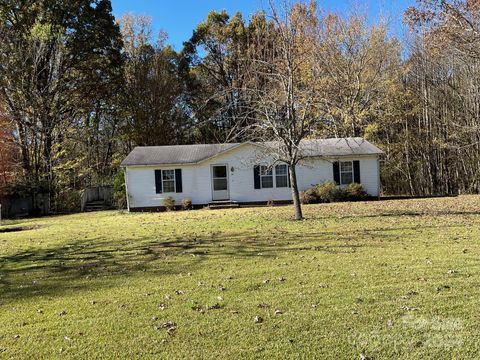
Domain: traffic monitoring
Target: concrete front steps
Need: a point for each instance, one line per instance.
(223, 204)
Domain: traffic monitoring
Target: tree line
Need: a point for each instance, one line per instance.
(79, 89)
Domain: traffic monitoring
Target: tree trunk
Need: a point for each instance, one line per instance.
(295, 193)
(22, 138)
(47, 155)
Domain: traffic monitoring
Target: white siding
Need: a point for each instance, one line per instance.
(197, 183)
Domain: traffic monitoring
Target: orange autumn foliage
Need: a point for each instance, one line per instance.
(9, 156)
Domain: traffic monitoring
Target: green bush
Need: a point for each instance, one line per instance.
(68, 201)
(355, 191)
(339, 194)
(186, 204)
(329, 192)
(119, 193)
(169, 203)
(309, 196)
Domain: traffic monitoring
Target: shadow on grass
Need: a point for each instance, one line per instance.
(75, 266)
(400, 214)
(99, 262)
(17, 229)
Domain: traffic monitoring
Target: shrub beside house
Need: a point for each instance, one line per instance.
(329, 191)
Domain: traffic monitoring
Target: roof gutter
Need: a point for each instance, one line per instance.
(211, 157)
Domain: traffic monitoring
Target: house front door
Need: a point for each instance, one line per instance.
(220, 186)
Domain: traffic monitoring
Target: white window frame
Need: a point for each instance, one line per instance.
(273, 175)
(346, 172)
(266, 167)
(285, 175)
(174, 182)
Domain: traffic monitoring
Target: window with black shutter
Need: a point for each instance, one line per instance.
(336, 172)
(168, 181)
(158, 181)
(256, 176)
(266, 177)
(346, 172)
(281, 175)
(178, 181)
(356, 172)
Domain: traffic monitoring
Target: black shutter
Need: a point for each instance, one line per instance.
(288, 176)
(356, 171)
(336, 172)
(158, 181)
(256, 176)
(178, 180)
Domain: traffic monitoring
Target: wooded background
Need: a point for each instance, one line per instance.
(79, 89)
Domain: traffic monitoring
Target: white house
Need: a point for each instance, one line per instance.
(245, 173)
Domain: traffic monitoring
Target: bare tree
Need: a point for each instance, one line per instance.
(286, 98)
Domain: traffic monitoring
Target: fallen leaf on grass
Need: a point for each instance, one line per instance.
(170, 326)
(443, 287)
(215, 307)
(197, 308)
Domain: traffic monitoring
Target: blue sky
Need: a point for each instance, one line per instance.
(179, 17)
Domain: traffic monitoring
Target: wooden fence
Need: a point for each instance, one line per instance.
(18, 206)
(99, 193)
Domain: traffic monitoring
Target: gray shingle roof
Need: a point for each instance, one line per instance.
(339, 147)
(190, 154)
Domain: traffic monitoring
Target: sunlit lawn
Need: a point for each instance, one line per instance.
(381, 279)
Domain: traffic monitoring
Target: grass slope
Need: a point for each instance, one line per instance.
(382, 279)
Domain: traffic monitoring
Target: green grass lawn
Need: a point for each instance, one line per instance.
(388, 279)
